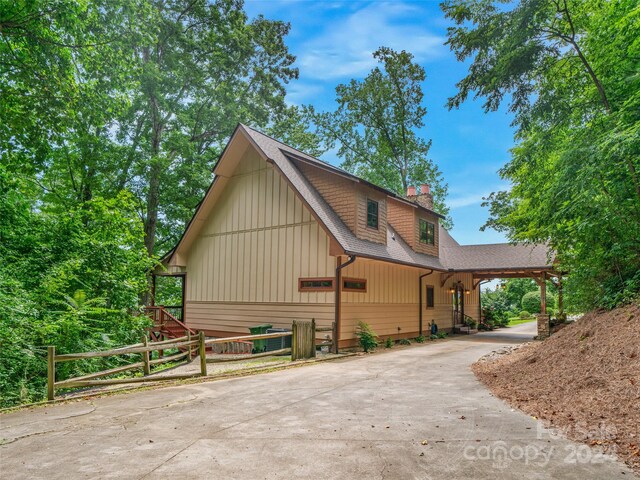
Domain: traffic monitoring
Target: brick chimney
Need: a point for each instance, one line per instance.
(423, 198)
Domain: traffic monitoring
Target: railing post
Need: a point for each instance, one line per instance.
(294, 340)
(312, 339)
(334, 334)
(145, 357)
(51, 372)
(190, 350)
(203, 354)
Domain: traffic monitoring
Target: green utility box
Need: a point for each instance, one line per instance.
(259, 346)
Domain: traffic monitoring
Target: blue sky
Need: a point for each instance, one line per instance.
(333, 42)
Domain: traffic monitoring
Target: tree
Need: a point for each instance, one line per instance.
(100, 97)
(376, 127)
(569, 71)
(200, 67)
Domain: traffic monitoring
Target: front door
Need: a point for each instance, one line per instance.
(458, 304)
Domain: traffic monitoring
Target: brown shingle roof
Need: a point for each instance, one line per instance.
(452, 255)
(496, 257)
(396, 250)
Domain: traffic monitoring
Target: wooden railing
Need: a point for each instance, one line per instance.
(144, 349)
(166, 323)
(303, 346)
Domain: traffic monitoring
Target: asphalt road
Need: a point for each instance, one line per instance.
(416, 412)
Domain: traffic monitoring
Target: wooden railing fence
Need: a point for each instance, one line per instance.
(144, 348)
(303, 346)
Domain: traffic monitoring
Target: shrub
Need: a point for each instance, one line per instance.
(388, 343)
(367, 338)
(404, 341)
(531, 301)
(524, 314)
(420, 339)
(433, 337)
(441, 335)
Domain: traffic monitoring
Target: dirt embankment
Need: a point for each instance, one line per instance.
(583, 381)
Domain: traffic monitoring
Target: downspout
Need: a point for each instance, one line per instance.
(338, 301)
(420, 296)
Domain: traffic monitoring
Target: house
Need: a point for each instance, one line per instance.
(281, 235)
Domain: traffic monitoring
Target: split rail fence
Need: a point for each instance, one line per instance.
(303, 345)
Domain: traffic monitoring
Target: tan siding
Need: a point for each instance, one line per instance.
(392, 299)
(338, 192)
(384, 319)
(257, 242)
(235, 317)
(402, 218)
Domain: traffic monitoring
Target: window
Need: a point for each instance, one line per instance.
(372, 213)
(427, 232)
(354, 285)
(430, 300)
(315, 284)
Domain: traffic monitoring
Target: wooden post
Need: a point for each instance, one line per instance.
(543, 296)
(562, 317)
(51, 372)
(334, 334)
(190, 350)
(203, 354)
(312, 339)
(294, 340)
(145, 357)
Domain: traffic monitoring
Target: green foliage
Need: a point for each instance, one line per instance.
(107, 96)
(71, 280)
(495, 306)
(376, 127)
(113, 113)
(570, 71)
(404, 341)
(367, 338)
(531, 302)
(420, 339)
(524, 314)
(389, 343)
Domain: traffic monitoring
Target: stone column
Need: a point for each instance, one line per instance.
(544, 327)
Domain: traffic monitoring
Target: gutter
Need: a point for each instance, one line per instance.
(338, 299)
(420, 296)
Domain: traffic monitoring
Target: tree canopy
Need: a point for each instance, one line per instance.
(569, 70)
(112, 115)
(376, 127)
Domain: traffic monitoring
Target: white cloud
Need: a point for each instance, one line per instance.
(474, 198)
(345, 46)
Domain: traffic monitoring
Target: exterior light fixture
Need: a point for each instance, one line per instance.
(452, 290)
(467, 292)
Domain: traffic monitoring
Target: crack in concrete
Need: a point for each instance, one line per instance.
(167, 460)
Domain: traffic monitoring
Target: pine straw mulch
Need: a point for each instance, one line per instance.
(583, 381)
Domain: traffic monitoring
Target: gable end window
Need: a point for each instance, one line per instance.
(372, 213)
(427, 232)
(315, 284)
(354, 285)
(430, 297)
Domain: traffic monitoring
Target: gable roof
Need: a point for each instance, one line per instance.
(396, 250)
(453, 256)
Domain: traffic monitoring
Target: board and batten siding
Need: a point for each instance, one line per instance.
(243, 268)
(392, 300)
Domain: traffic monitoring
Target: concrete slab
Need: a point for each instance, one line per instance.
(413, 413)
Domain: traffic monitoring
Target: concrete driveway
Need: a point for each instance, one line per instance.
(408, 413)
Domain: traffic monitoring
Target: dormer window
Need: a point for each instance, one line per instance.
(427, 232)
(372, 214)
